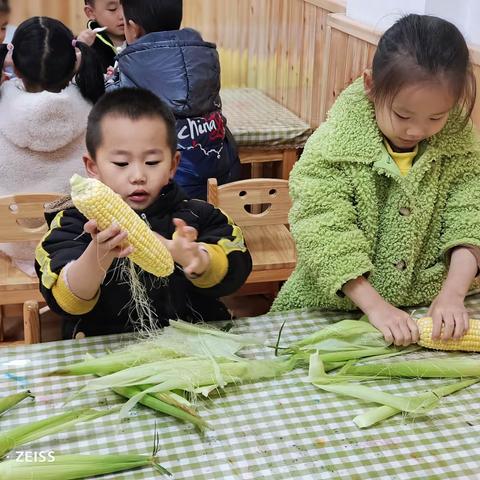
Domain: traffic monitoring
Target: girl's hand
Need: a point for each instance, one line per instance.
(448, 310)
(396, 325)
(185, 250)
(109, 243)
(87, 36)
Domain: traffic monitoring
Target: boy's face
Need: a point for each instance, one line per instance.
(134, 159)
(108, 13)
(4, 17)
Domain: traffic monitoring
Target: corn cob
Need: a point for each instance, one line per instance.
(470, 342)
(98, 202)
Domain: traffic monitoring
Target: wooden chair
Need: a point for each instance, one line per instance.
(266, 233)
(21, 220)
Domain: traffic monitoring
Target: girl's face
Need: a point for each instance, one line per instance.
(417, 112)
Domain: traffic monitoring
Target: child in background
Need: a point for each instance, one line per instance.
(42, 134)
(184, 71)
(4, 19)
(386, 196)
(132, 148)
(108, 14)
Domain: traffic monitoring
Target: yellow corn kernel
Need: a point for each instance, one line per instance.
(470, 342)
(100, 203)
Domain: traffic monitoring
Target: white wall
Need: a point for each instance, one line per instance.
(465, 14)
(381, 14)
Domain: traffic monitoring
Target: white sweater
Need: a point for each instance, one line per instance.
(42, 138)
(42, 141)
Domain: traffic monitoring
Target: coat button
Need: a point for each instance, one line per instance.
(401, 265)
(405, 212)
(79, 336)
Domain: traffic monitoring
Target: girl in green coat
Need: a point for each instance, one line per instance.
(386, 196)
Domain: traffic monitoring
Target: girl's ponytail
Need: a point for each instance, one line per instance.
(3, 54)
(45, 56)
(89, 77)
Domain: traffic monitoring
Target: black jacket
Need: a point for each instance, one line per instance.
(103, 46)
(174, 297)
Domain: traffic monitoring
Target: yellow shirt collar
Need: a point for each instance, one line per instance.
(404, 160)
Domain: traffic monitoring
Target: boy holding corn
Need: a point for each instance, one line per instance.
(131, 143)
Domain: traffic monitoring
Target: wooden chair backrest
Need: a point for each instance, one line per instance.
(22, 216)
(237, 197)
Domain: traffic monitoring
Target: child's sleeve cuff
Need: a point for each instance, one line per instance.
(67, 300)
(217, 269)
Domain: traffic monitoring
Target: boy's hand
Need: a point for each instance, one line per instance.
(109, 243)
(87, 36)
(185, 250)
(448, 309)
(395, 324)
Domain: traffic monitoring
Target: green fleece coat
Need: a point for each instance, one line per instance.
(354, 214)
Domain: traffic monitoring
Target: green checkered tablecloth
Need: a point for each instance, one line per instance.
(279, 429)
(256, 120)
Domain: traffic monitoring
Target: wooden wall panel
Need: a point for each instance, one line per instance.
(69, 12)
(276, 46)
(350, 49)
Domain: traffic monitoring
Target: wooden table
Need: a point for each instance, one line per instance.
(265, 131)
(277, 429)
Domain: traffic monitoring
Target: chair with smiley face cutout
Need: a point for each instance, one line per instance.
(260, 207)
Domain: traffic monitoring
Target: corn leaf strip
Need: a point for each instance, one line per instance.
(377, 414)
(427, 368)
(6, 403)
(317, 373)
(71, 467)
(29, 432)
(416, 405)
(204, 329)
(166, 406)
(117, 361)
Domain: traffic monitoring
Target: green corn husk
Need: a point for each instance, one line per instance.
(457, 367)
(343, 341)
(190, 373)
(32, 431)
(164, 403)
(203, 376)
(377, 414)
(6, 403)
(345, 335)
(180, 339)
(114, 362)
(71, 467)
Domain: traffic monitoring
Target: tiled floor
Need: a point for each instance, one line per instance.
(244, 306)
